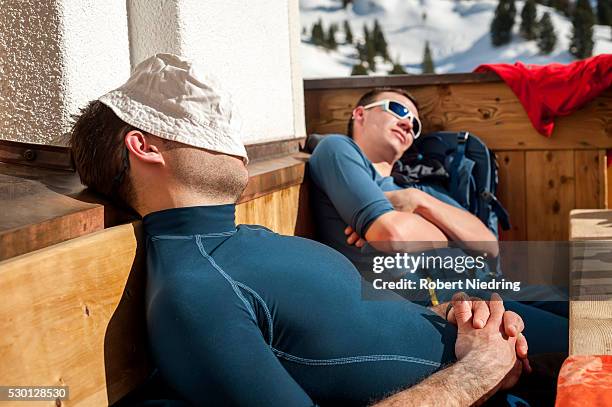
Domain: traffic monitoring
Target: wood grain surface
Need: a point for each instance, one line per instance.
(73, 315)
(33, 216)
(285, 211)
(550, 192)
(511, 192)
(489, 110)
(590, 179)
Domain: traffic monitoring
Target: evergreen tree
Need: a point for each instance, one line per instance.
(583, 19)
(397, 69)
(331, 37)
(367, 53)
(604, 12)
(428, 64)
(380, 43)
(366, 33)
(563, 6)
(348, 34)
(528, 20)
(317, 36)
(361, 51)
(370, 55)
(547, 39)
(359, 69)
(501, 26)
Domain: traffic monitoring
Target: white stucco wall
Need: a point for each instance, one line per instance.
(55, 56)
(251, 47)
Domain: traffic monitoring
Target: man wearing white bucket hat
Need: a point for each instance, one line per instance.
(239, 315)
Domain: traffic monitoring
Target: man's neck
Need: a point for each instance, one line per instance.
(161, 200)
(383, 168)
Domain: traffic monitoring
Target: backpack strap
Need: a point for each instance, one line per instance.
(453, 170)
(502, 214)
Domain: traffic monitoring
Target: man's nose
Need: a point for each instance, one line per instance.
(405, 124)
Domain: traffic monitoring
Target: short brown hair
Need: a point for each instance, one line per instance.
(99, 152)
(370, 97)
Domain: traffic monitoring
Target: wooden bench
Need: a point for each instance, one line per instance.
(591, 282)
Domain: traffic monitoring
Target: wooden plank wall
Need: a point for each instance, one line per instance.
(541, 179)
(284, 211)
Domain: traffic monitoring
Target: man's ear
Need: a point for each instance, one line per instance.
(358, 114)
(143, 148)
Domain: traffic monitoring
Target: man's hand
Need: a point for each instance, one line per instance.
(405, 200)
(491, 344)
(353, 238)
(486, 362)
(513, 323)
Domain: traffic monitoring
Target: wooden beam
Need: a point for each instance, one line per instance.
(36, 155)
(33, 216)
(490, 110)
(398, 81)
(274, 175)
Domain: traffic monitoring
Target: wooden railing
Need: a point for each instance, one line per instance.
(541, 179)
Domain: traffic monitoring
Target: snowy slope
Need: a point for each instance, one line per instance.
(458, 34)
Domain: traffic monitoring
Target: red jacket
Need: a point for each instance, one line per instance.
(554, 90)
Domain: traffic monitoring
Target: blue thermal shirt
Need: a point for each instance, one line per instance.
(239, 315)
(349, 191)
(244, 316)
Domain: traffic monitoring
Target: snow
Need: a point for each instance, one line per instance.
(457, 31)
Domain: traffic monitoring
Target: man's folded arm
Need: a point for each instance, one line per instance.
(458, 224)
(403, 227)
(337, 168)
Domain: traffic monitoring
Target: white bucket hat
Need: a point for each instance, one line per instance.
(169, 97)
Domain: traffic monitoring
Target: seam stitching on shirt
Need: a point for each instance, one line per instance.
(225, 275)
(265, 307)
(354, 359)
(228, 233)
(250, 228)
(171, 237)
(189, 237)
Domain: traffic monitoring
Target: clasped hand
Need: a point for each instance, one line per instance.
(488, 333)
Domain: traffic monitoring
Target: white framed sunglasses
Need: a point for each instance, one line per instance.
(401, 112)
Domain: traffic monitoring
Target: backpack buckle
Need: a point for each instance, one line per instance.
(487, 196)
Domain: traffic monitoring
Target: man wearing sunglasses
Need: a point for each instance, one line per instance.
(355, 198)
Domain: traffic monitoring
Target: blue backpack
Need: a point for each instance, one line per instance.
(462, 166)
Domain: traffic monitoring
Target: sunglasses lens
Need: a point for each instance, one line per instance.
(416, 127)
(402, 111)
(399, 109)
